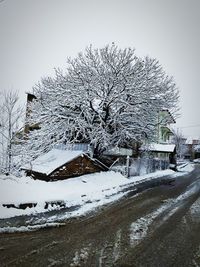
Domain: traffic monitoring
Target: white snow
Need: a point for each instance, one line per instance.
(10, 229)
(192, 140)
(88, 191)
(52, 160)
(139, 228)
(150, 176)
(74, 191)
(119, 151)
(161, 147)
(196, 160)
(185, 168)
(195, 210)
(80, 257)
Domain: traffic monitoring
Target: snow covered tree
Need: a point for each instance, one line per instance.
(179, 140)
(10, 114)
(106, 97)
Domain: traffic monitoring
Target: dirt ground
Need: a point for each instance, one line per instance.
(157, 227)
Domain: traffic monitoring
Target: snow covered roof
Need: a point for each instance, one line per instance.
(52, 160)
(192, 141)
(160, 147)
(119, 151)
(189, 141)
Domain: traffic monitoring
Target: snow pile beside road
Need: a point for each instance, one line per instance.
(86, 192)
(25, 189)
(196, 160)
(187, 167)
(74, 191)
(150, 176)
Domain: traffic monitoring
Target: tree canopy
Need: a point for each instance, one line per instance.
(105, 97)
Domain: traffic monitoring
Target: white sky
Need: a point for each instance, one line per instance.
(38, 35)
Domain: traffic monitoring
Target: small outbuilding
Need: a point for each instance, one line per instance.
(165, 152)
(62, 164)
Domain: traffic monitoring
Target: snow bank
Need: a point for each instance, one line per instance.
(187, 167)
(74, 191)
(88, 191)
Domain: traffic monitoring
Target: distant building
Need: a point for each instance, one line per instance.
(191, 148)
(164, 148)
(165, 119)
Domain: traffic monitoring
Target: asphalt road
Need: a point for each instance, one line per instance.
(157, 227)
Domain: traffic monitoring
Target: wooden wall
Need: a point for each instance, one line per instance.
(79, 166)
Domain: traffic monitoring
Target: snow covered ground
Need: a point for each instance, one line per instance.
(88, 192)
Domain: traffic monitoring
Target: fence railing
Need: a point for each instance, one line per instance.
(141, 166)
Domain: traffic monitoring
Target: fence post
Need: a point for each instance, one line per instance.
(138, 166)
(127, 166)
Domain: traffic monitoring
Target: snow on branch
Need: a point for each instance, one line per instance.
(106, 96)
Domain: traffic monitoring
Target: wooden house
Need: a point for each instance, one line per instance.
(63, 164)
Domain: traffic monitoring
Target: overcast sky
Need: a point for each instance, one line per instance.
(38, 35)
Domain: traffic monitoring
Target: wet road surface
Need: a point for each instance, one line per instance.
(158, 227)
